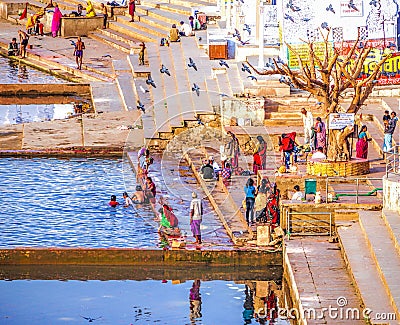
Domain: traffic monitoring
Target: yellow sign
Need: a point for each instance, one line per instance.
(303, 51)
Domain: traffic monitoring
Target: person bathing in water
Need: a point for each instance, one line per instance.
(138, 196)
(113, 201)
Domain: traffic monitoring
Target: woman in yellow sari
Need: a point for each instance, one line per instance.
(90, 10)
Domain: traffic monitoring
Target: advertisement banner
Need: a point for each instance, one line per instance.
(302, 50)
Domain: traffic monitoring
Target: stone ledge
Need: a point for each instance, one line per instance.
(80, 26)
(353, 167)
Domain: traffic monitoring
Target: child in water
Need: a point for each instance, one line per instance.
(113, 202)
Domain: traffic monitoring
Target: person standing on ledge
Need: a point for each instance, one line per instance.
(141, 53)
(308, 123)
(196, 214)
(56, 21)
(132, 8)
(78, 52)
(105, 15)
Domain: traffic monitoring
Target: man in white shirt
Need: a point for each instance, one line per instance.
(319, 154)
(185, 29)
(298, 195)
(308, 123)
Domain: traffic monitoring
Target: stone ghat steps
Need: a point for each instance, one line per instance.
(153, 32)
(160, 17)
(131, 31)
(392, 222)
(363, 270)
(384, 254)
(106, 37)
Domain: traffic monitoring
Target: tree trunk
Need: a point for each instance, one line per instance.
(338, 144)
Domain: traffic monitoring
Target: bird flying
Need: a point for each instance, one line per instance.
(150, 81)
(247, 28)
(373, 3)
(72, 42)
(288, 17)
(140, 106)
(325, 25)
(223, 63)
(351, 5)
(196, 89)
(164, 70)
(90, 319)
(245, 68)
(306, 19)
(252, 78)
(192, 64)
(106, 56)
(330, 8)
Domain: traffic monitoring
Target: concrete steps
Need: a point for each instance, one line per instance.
(105, 97)
(384, 254)
(202, 103)
(160, 112)
(171, 88)
(184, 86)
(392, 104)
(223, 84)
(152, 31)
(235, 79)
(392, 222)
(159, 17)
(125, 84)
(111, 41)
(213, 92)
(131, 31)
(363, 270)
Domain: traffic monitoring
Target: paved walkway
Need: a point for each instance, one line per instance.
(322, 281)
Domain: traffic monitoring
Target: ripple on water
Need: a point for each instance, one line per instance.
(64, 203)
(13, 72)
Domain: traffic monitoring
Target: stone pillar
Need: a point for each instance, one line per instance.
(261, 36)
(391, 192)
(229, 15)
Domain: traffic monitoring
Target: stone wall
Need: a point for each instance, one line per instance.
(391, 192)
(80, 26)
(246, 111)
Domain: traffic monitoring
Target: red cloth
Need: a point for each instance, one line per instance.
(362, 148)
(113, 204)
(170, 216)
(24, 13)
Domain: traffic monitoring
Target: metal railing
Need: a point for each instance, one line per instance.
(357, 180)
(311, 224)
(392, 159)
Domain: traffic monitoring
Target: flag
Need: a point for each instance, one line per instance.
(24, 13)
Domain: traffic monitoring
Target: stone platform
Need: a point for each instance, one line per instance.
(353, 167)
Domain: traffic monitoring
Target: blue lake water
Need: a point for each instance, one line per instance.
(64, 203)
(12, 72)
(131, 302)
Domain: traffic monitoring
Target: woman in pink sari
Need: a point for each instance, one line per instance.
(56, 22)
(362, 143)
(320, 130)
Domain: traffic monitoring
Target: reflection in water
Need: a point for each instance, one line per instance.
(14, 72)
(195, 301)
(128, 302)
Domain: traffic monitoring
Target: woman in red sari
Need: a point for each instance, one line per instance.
(362, 143)
(132, 8)
(260, 156)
